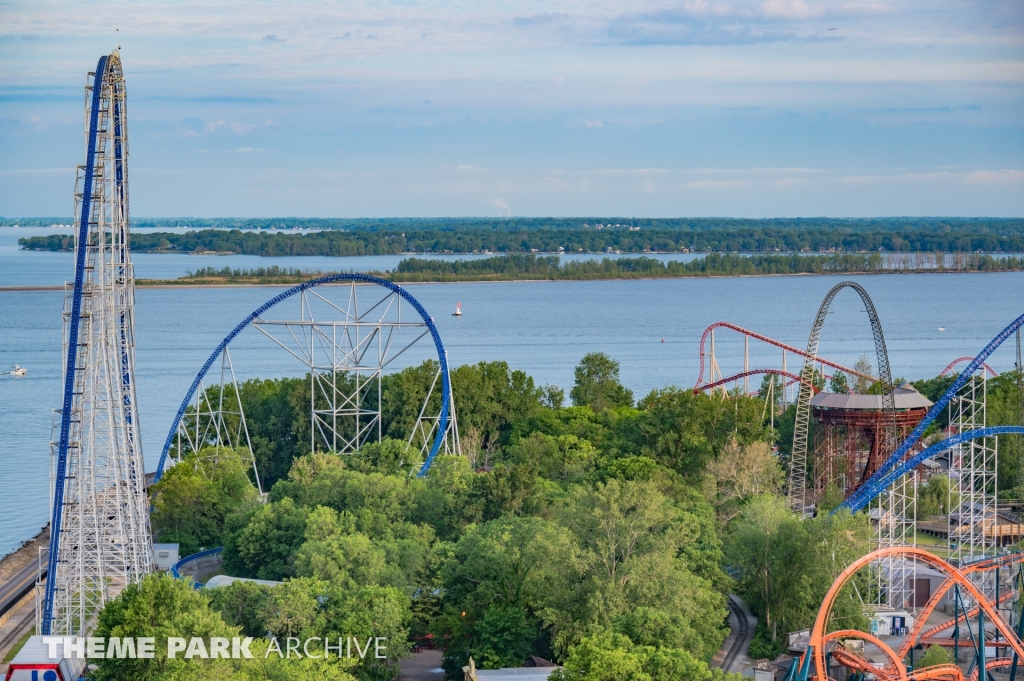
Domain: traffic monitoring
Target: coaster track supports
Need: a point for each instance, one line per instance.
(99, 540)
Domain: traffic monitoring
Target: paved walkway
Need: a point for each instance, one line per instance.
(425, 666)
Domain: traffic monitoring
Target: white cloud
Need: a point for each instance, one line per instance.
(999, 177)
(791, 9)
(717, 184)
(629, 171)
(502, 206)
(37, 171)
(1007, 178)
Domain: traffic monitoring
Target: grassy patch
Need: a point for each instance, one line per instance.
(18, 646)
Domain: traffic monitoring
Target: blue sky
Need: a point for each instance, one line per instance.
(755, 108)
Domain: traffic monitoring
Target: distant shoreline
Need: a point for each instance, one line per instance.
(184, 283)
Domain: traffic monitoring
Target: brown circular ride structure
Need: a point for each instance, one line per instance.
(849, 443)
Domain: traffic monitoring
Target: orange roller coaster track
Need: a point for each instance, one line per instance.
(895, 670)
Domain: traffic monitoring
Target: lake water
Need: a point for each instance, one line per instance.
(543, 328)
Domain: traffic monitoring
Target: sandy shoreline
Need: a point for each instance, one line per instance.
(182, 284)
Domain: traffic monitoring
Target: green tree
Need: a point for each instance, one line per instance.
(389, 456)
(630, 468)
(933, 497)
(863, 366)
(741, 472)
(1005, 406)
(193, 498)
(818, 380)
(500, 579)
(597, 384)
(771, 383)
(241, 604)
(307, 607)
(769, 549)
(683, 431)
(441, 501)
(787, 564)
(634, 545)
(838, 383)
(608, 656)
(830, 497)
(563, 458)
(328, 480)
(506, 490)
(552, 396)
(264, 547)
(334, 551)
(161, 606)
(935, 655)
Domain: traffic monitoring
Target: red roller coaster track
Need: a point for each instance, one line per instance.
(949, 367)
(770, 341)
(752, 372)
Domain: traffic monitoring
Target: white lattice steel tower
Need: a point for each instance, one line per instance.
(100, 539)
(972, 482)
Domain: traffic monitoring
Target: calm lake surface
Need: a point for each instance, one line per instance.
(543, 328)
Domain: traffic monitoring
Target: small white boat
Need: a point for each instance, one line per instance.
(942, 328)
(18, 371)
(458, 310)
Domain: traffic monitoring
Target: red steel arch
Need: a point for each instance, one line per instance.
(752, 372)
(770, 341)
(949, 367)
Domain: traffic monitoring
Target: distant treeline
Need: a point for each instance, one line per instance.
(938, 225)
(551, 267)
(384, 242)
(522, 266)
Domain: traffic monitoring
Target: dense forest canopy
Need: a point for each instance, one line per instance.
(591, 529)
(667, 236)
(514, 267)
(939, 225)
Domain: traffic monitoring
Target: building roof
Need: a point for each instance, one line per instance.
(905, 398)
(516, 674)
(224, 580)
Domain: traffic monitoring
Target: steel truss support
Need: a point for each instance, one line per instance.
(217, 419)
(894, 527)
(426, 425)
(973, 487)
(346, 343)
(100, 539)
(878, 480)
(798, 473)
(897, 527)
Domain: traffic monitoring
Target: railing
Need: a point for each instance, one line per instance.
(200, 560)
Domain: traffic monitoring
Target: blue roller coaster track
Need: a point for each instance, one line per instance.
(894, 466)
(334, 278)
(74, 327)
(857, 500)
